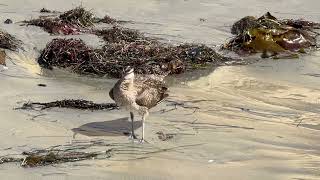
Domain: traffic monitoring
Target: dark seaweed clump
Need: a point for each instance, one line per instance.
(7, 41)
(48, 158)
(70, 103)
(70, 22)
(268, 34)
(79, 17)
(117, 34)
(125, 47)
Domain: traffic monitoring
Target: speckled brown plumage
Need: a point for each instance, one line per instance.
(2, 57)
(148, 90)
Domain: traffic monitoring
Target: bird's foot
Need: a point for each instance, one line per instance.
(133, 136)
(141, 141)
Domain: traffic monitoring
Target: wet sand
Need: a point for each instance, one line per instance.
(238, 122)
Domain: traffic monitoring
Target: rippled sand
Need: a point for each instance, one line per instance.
(237, 122)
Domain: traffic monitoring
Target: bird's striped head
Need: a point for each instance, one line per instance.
(128, 73)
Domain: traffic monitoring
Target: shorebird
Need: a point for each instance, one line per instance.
(3, 60)
(138, 93)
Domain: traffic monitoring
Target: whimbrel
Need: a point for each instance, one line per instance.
(138, 93)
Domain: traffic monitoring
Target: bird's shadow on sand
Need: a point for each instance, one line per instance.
(117, 127)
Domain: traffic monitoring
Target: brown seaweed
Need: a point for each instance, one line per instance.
(55, 26)
(147, 56)
(268, 34)
(34, 160)
(70, 103)
(8, 41)
(78, 16)
(117, 34)
(70, 22)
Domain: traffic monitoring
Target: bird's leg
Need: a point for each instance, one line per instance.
(143, 126)
(143, 119)
(132, 128)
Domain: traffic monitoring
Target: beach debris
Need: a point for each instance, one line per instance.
(53, 157)
(42, 85)
(270, 36)
(75, 151)
(74, 21)
(69, 103)
(55, 26)
(44, 10)
(78, 16)
(118, 34)
(4, 160)
(8, 41)
(70, 22)
(107, 19)
(8, 21)
(165, 136)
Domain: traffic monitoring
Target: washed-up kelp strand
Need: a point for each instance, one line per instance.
(148, 57)
(268, 34)
(8, 41)
(48, 158)
(69, 103)
(56, 158)
(75, 151)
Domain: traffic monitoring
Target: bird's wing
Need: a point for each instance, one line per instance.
(150, 92)
(111, 94)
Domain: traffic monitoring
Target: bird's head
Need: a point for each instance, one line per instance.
(128, 73)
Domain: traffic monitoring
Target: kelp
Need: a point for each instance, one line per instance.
(72, 152)
(267, 34)
(48, 158)
(129, 49)
(7, 41)
(69, 103)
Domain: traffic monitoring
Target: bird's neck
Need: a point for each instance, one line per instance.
(128, 83)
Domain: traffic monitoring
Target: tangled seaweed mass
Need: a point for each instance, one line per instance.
(148, 57)
(267, 34)
(8, 41)
(69, 103)
(70, 22)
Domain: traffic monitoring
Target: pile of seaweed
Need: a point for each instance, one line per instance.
(69, 103)
(76, 151)
(126, 47)
(70, 22)
(8, 41)
(268, 34)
